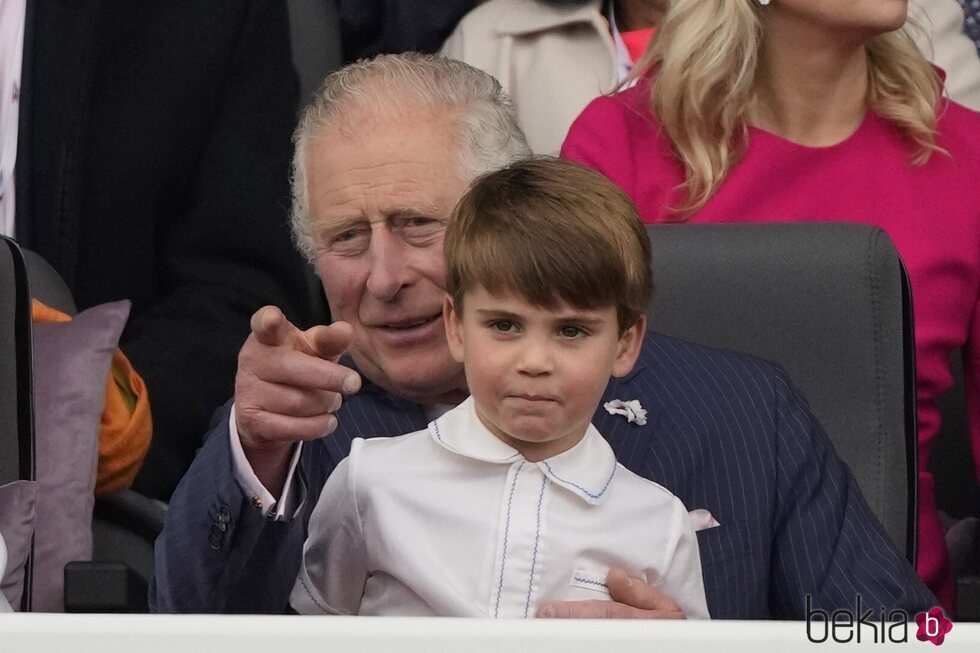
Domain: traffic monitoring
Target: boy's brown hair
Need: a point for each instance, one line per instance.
(550, 230)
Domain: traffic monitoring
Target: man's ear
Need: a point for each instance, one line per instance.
(629, 347)
(454, 329)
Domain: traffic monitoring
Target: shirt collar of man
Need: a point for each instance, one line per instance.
(587, 469)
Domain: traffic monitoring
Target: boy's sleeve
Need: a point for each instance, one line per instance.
(681, 577)
(334, 568)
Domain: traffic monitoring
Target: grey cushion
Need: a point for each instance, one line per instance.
(71, 367)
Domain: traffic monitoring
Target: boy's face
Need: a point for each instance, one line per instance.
(537, 375)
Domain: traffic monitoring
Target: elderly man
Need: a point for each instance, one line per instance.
(382, 155)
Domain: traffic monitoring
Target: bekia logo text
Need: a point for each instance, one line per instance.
(862, 624)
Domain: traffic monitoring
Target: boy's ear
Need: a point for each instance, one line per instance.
(454, 329)
(629, 347)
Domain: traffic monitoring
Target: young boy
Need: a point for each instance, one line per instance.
(513, 499)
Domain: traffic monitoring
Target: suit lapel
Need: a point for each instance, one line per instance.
(631, 442)
(371, 413)
(59, 60)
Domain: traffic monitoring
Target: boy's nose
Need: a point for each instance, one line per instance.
(536, 359)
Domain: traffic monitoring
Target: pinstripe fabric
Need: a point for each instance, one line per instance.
(725, 432)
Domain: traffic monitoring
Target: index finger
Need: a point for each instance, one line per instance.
(270, 326)
(329, 341)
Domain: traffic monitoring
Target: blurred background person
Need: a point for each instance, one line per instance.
(554, 56)
(372, 27)
(943, 38)
(145, 155)
(801, 111)
(972, 25)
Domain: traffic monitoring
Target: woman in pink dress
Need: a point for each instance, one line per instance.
(796, 110)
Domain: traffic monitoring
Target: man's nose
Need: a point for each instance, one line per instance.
(390, 266)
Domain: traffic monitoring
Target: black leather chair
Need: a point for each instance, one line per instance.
(829, 303)
(958, 495)
(16, 401)
(124, 525)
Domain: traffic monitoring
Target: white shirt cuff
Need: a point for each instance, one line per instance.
(259, 496)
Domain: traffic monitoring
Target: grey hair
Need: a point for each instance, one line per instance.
(486, 126)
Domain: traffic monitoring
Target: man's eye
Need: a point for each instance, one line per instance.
(419, 221)
(349, 241)
(571, 332)
(420, 230)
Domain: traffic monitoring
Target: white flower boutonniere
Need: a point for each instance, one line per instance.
(631, 410)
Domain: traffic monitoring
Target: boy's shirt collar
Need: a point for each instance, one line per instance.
(587, 469)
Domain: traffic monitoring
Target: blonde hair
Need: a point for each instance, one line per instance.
(705, 57)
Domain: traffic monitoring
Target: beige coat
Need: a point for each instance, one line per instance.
(945, 44)
(553, 61)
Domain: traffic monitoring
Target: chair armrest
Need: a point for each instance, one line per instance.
(968, 598)
(103, 587)
(142, 515)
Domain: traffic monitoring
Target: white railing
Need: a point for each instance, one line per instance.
(30, 633)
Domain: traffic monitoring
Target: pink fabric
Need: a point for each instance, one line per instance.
(932, 213)
(636, 41)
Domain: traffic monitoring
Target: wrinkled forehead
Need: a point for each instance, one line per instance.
(384, 168)
(383, 133)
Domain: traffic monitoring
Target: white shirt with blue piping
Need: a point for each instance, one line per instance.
(451, 521)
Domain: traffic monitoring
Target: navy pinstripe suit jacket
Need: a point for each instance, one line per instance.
(725, 432)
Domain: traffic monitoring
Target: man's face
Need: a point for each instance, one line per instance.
(379, 205)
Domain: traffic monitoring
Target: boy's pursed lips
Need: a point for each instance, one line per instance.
(532, 397)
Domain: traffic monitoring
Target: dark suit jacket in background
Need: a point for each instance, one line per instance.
(371, 27)
(152, 165)
(725, 432)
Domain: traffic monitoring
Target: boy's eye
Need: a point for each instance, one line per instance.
(504, 326)
(571, 332)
